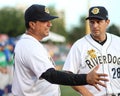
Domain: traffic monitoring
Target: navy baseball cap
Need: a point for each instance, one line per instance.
(98, 12)
(38, 12)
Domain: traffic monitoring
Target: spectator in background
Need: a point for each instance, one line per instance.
(4, 77)
(6, 64)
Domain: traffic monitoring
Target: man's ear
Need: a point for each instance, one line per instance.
(108, 21)
(32, 25)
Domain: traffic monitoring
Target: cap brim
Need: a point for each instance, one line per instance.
(41, 17)
(48, 17)
(51, 17)
(95, 17)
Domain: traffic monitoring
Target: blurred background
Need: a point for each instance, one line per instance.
(69, 27)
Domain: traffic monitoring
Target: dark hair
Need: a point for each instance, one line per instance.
(27, 25)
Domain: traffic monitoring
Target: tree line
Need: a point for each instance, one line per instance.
(12, 24)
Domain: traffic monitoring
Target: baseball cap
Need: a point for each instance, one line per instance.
(98, 12)
(38, 12)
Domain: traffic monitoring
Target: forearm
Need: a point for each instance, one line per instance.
(63, 78)
(82, 90)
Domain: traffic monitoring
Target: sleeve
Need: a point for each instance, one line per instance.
(64, 78)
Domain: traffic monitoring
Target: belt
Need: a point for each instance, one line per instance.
(118, 94)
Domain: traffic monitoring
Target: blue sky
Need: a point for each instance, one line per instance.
(73, 8)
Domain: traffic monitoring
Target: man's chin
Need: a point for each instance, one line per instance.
(46, 35)
(96, 34)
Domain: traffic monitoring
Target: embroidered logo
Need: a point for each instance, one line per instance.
(95, 11)
(46, 10)
(91, 53)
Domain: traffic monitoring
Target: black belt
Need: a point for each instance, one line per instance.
(116, 94)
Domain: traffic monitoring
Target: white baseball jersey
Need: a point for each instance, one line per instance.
(86, 53)
(31, 60)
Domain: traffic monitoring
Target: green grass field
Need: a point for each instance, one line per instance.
(68, 91)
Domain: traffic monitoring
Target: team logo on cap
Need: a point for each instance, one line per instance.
(95, 11)
(46, 10)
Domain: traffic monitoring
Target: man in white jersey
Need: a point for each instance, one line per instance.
(98, 47)
(34, 71)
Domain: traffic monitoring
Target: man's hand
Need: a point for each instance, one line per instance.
(94, 78)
